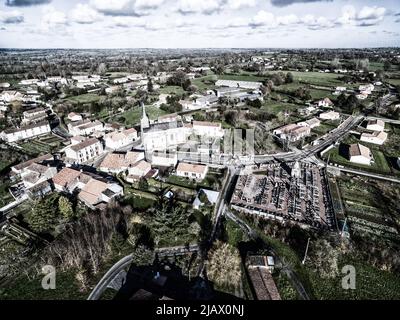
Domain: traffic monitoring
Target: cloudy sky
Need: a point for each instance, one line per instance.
(198, 23)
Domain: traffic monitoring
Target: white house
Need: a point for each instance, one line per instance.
(118, 139)
(312, 123)
(377, 137)
(140, 169)
(239, 84)
(330, 115)
(85, 127)
(32, 115)
(26, 132)
(119, 162)
(72, 116)
(292, 132)
(192, 171)
(376, 125)
(325, 103)
(84, 151)
(366, 89)
(9, 96)
(164, 158)
(360, 154)
(209, 129)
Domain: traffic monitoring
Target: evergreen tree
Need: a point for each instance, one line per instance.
(43, 215)
(65, 208)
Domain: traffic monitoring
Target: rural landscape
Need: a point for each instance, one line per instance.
(199, 174)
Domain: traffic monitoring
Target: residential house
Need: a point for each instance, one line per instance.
(37, 173)
(325, 103)
(208, 129)
(330, 115)
(292, 132)
(377, 137)
(84, 151)
(19, 168)
(9, 96)
(192, 171)
(312, 123)
(164, 158)
(119, 162)
(239, 84)
(26, 132)
(72, 116)
(376, 125)
(138, 170)
(118, 139)
(85, 127)
(360, 154)
(34, 115)
(92, 190)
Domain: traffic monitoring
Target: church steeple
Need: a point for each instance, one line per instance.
(144, 122)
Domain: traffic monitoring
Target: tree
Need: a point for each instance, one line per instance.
(231, 117)
(143, 184)
(150, 87)
(65, 208)
(43, 216)
(289, 77)
(387, 65)
(170, 219)
(102, 69)
(223, 266)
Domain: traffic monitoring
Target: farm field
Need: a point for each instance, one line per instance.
(41, 145)
(84, 98)
(364, 208)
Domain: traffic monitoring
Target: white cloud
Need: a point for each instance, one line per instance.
(125, 7)
(148, 4)
(288, 19)
(84, 14)
(53, 21)
(367, 16)
(128, 22)
(11, 17)
(371, 13)
(238, 4)
(200, 6)
(262, 18)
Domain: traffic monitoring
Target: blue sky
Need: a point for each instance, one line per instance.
(198, 23)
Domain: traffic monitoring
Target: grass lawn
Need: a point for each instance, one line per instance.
(133, 116)
(380, 166)
(171, 90)
(316, 78)
(395, 82)
(84, 98)
(4, 164)
(275, 107)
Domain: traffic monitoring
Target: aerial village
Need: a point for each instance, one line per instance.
(252, 142)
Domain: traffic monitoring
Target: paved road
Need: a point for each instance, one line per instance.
(365, 173)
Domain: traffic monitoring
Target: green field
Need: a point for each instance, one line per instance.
(84, 98)
(316, 78)
(172, 90)
(133, 116)
(379, 166)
